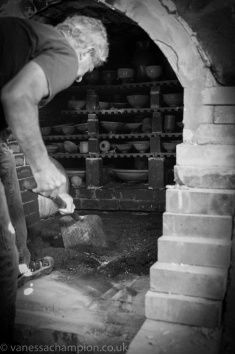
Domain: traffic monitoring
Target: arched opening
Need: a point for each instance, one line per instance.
(197, 167)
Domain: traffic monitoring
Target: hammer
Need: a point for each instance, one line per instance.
(30, 185)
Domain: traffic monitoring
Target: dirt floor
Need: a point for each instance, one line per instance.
(95, 294)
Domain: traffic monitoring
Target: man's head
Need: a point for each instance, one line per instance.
(88, 37)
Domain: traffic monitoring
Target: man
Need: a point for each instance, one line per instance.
(36, 62)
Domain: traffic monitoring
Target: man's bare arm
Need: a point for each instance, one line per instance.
(20, 98)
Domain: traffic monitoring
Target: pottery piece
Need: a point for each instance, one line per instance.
(132, 126)
(70, 147)
(143, 57)
(104, 105)
(46, 130)
(138, 101)
(76, 104)
(68, 129)
(173, 99)
(153, 71)
(131, 175)
(52, 148)
(141, 146)
(81, 127)
(170, 146)
(111, 126)
(83, 147)
(125, 74)
(104, 146)
(124, 147)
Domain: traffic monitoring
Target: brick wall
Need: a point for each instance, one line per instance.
(29, 200)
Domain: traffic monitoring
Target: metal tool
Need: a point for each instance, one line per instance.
(30, 185)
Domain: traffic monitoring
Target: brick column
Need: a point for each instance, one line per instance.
(189, 281)
(29, 200)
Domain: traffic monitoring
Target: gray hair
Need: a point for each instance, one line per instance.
(86, 33)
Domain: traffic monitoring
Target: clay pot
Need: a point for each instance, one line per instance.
(143, 57)
(83, 147)
(109, 76)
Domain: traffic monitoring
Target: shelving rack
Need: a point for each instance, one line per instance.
(94, 158)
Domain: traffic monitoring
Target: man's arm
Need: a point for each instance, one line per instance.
(20, 98)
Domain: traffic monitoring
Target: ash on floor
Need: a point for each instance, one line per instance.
(131, 238)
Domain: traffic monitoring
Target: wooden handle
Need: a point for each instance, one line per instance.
(31, 184)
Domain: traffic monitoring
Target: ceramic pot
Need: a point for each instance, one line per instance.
(143, 57)
(83, 147)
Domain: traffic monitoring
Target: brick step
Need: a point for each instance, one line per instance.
(223, 134)
(214, 226)
(199, 251)
(183, 309)
(208, 155)
(206, 282)
(200, 201)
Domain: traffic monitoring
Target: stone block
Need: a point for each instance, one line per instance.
(108, 204)
(14, 147)
(199, 251)
(214, 226)
(217, 96)
(19, 159)
(21, 182)
(207, 114)
(183, 309)
(215, 134)
(24, 172)
(205, 177)
(28, 196)
(31, 207)
(200, 201)
(224, 114)
(206, 282)
(136, 205)
(205, 155)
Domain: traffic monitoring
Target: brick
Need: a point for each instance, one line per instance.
(24, 172)
(205, 155)
(108, 204)
(28, 197)
(19, 159)
(138, 205)
(21, 182)
(215, 134)
(156, 176)
(31, 207)
(183, 309)
(224, 115)
(32, 219)
(219, 96)
(94, 171)
(14, 147)
(214, 226)
(89, 203)
(194, 251)
(205, 282)
(200, 201)
(205, 177)
(106, 193)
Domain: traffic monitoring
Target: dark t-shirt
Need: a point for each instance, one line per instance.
(24, 40)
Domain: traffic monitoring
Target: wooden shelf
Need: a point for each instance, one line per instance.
(112, 155)
(121, 111)
(130, 85)
(110, 136)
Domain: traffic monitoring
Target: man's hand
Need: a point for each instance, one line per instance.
(49, 179)
(69, 204)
